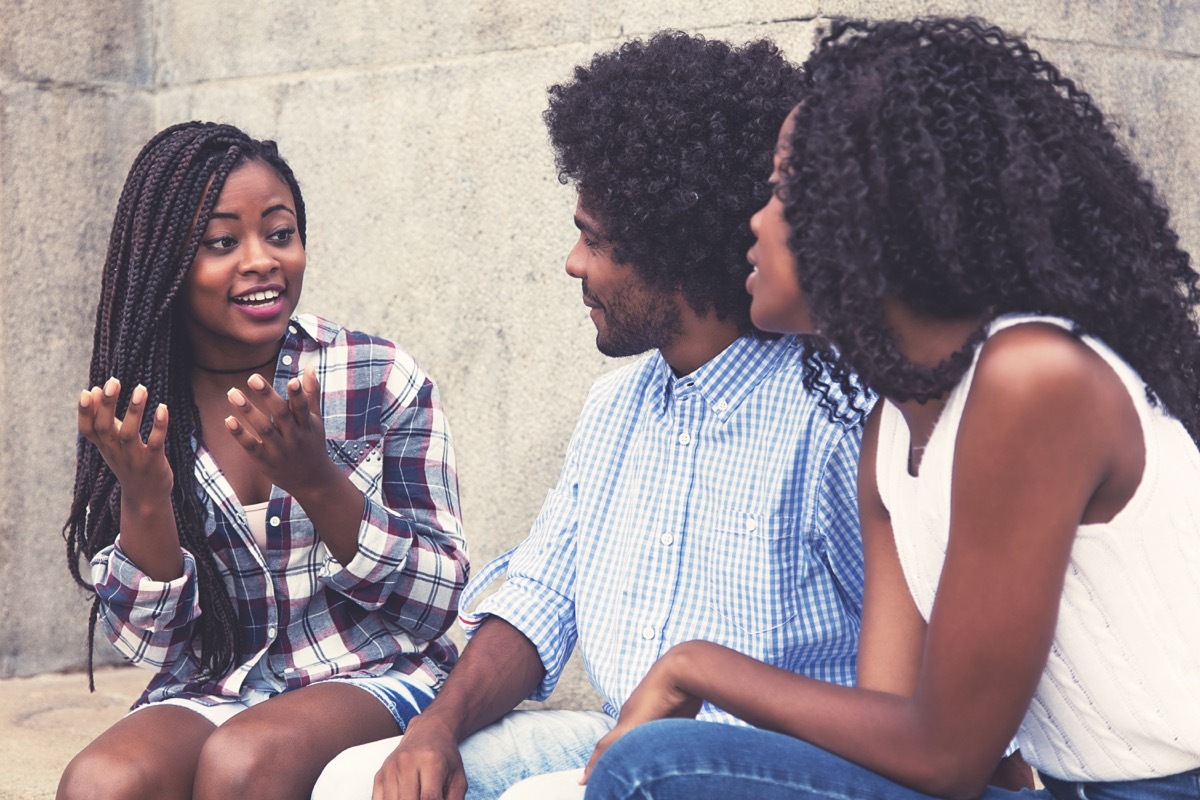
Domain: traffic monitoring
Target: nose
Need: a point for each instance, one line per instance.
(756, 220)
(257, 257)
(576, 260)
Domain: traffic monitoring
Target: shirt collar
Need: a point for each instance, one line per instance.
(729, 377)
(320, 330)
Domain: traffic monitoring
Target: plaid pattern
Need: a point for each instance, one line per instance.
(720, 505)
(309, 616)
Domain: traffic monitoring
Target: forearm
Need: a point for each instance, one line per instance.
(149, 536)
(889, 734)
(499, 668)
(334, 505)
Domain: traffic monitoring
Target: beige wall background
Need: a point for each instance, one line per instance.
(435, 217)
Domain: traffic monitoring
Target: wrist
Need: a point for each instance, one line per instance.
(321, 486)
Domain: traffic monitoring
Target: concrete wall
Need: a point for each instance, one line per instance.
(435, 216)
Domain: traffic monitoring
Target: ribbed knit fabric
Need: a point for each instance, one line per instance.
(1119, 698)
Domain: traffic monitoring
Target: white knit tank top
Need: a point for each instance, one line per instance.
(1119, 698)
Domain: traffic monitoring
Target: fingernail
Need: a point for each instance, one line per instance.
(160, 413)
(256, 382)
(138, 396)
(110, 387)
(231, 423)
(85, 399)
(236, 397)
(294, 385)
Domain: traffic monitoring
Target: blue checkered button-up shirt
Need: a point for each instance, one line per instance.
(720, 505)
(309, 616)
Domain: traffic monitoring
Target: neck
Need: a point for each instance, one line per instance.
(236, 370)
(700, 339)
(218, 365)
(926, 341)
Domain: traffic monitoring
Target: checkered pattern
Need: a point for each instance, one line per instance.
(720, 505)
(309, 616)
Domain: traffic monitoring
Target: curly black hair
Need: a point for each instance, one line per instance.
(668, 142)
(945, 163)
(165, 206)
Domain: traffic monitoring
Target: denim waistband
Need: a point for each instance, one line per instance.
(1184, 786)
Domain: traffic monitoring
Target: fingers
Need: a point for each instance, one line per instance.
(158, 430)
(129, 430)
(304, 394)
(247, 415)
(456, 788)
(87, 415)
(602, 745)
(106, 407)
(98, 422)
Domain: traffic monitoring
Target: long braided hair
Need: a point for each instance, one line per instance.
(947, 164)
(164, 209)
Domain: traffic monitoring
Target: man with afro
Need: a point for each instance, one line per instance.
(708, 492)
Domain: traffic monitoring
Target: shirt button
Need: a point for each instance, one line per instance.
(647, 632)
(287, 361)
(275, 521)
(685, 438)
(271, 631)
(722, 405)
(751, 525)
(292, 328)
(667, 539)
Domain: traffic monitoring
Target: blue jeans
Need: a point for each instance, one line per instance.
(520, 745)
(689, 760)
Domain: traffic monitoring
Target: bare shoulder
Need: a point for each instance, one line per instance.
(1039, 389)
(1038, 362)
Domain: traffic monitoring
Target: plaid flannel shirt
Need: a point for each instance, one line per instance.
(309, 616)
(720, 505)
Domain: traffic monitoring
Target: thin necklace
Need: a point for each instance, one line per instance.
(212, 371)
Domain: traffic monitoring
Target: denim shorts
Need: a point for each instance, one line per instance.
(403, 695)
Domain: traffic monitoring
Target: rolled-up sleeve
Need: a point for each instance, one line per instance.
(538, 595)
(149, 622)
(411, 564)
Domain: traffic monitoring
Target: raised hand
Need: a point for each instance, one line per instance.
(148, 532)
(140, 466)
(286, 438)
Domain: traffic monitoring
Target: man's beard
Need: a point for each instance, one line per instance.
(635, 320)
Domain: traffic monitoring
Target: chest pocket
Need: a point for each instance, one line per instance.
(360, 460)
(755, 567)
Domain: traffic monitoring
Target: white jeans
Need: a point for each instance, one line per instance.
(551, 786)
(522, 744)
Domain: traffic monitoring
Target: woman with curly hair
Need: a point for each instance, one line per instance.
(955, 217)
(268, 502)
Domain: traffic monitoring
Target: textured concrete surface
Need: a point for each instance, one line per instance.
(46, 720)
(435, 215)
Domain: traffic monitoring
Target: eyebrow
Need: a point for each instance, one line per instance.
(266, 212)
(586, 228)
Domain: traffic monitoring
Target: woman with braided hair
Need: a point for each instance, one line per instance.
(266, 502)
(954, 219)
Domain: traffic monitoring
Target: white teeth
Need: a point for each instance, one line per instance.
(258, 297)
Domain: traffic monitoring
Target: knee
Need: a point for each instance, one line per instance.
(92, 776)
(237, 763)
(636, 758)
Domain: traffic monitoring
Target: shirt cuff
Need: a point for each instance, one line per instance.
(544, 618)
(146, 603)
(382, 552)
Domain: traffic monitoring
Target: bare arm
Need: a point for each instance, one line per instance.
(893, 631)
(499, 668)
